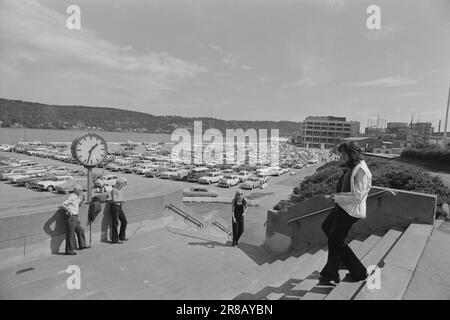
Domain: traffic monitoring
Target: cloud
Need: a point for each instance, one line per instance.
(395, 81)
(246, 67)
(36, 45)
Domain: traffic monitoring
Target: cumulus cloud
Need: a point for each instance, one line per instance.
(36, 45)
(393, 81)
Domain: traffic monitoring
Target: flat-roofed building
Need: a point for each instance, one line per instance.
(325, 131)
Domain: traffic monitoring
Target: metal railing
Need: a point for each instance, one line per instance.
(330, 208)
(222, 227)
(185, 215)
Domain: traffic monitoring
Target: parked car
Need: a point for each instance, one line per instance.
(298, 166)
(199, 191)
(228, 181)
(275, 171)
(69, 185)
(50, 185)
(22, 182)
(251, 183)
(169, 173)
(155, 172)
(143, 169)
(109, 180)
(30, 173)
(181, 175)
(12, 172)
(211, 177)
(197, 173)
(243, 175)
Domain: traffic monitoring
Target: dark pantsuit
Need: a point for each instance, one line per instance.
(238, 228)
(117, 215)
(73, 227)
(336, 226)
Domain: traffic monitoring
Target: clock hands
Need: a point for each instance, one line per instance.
(90, 152)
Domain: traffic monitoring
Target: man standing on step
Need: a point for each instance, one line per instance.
(352, 191)
(117, 214)
(73, 226)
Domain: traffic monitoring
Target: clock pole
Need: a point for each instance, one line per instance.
(89, 197)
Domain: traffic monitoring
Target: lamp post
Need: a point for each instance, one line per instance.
(444, 137)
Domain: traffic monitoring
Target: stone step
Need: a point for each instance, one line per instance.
(345, 290)
(310, 266)
(320, 291)
(399, 265)
(274, 276)
(313, 287)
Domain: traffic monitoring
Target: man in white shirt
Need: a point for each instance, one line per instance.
(117, 215)
(73, 226)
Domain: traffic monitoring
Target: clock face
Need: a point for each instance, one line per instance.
(90, 149)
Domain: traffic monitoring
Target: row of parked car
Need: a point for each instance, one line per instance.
(43, 177)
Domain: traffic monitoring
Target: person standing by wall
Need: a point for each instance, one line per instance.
(117, 214)
(352, 191)
(239, 207)
(73, 226)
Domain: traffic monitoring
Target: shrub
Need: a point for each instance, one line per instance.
(433, 155)
(386, 173)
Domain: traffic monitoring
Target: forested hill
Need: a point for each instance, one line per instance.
(16, 113)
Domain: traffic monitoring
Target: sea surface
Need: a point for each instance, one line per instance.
(9, 135)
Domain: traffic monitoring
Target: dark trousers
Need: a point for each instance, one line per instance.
(73, 227)
(238, 228)
(336, 226)
(116, 216)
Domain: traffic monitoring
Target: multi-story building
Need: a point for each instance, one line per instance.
(398, 129)
(325, 132)
(419, 133)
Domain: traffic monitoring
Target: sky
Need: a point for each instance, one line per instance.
(233, 60)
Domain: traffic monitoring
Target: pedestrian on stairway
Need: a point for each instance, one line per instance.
(350, 206)
(239, 207)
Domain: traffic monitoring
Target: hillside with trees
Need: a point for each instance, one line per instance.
(17, 113)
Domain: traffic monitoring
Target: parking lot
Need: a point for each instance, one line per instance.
(20, 200)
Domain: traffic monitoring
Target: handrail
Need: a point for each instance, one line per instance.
(185, 215)
(329, 208)
(222, 227)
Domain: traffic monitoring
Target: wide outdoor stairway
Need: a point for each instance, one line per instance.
(396, 254)
(164, 265)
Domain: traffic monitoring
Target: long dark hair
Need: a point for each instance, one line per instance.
(353, 151)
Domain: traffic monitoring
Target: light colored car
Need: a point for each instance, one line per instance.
(29, 174)
(109, 180)
(143, 169)
(251, 183)
(229, 180)
(50, 185)
(169, 173)
(299, 166)
(199, 191)
(12, 172)
(181, 175)
(210, 178)
(243, 175)
(68, 186)
(275, 171)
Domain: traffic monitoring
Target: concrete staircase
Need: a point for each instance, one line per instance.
(396, 254)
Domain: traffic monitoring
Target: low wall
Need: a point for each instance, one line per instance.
(384, 211)
(30, 235)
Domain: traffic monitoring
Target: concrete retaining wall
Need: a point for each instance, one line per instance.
(384, 211)
(30, 235)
